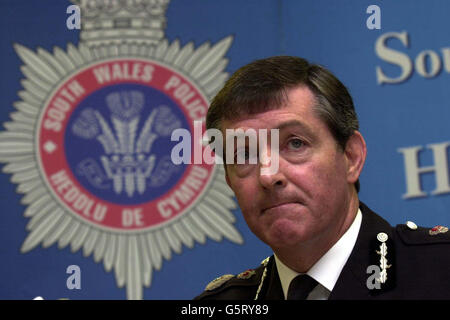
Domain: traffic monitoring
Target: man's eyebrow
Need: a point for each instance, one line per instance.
(295, 123)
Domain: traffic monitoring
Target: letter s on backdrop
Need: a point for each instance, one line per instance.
(393, 56)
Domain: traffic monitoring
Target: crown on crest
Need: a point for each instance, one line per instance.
(122, 21)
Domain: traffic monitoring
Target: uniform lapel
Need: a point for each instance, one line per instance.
(274, 290)
(352, 282)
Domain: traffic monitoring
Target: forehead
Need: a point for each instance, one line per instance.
(297, 110)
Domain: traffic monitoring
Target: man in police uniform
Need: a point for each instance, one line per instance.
(327, 244)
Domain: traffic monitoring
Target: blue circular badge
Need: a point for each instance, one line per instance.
(118, 143)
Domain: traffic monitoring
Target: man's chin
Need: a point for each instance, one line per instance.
(286, 233)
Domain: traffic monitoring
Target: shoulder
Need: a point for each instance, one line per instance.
(235, 287)
(409, 233)
(422, 261)
(423, 246)
(413, 235)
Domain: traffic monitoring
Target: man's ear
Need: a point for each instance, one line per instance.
(355, 152)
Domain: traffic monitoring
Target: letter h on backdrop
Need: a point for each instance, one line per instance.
(413, 171)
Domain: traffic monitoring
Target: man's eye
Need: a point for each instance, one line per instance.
(295, 144)
(241, 156)
(245, 156)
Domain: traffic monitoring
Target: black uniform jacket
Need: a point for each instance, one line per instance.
(418, 267)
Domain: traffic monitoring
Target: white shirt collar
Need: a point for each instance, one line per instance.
(327, 269)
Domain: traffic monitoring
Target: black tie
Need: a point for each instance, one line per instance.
(300, 287)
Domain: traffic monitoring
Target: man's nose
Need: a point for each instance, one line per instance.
(273, 180)
(270, 168)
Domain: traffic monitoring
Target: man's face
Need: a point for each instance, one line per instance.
(307, 199)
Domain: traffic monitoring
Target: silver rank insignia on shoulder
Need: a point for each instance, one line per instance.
(382, 237)
(436, 230)
(411, 225)
(217, 282)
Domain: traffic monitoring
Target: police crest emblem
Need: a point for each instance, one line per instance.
(89, 144)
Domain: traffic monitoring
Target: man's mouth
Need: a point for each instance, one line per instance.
(280, 206)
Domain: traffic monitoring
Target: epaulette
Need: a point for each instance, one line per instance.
(218, 282)
(249, 277)
(411, 234)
